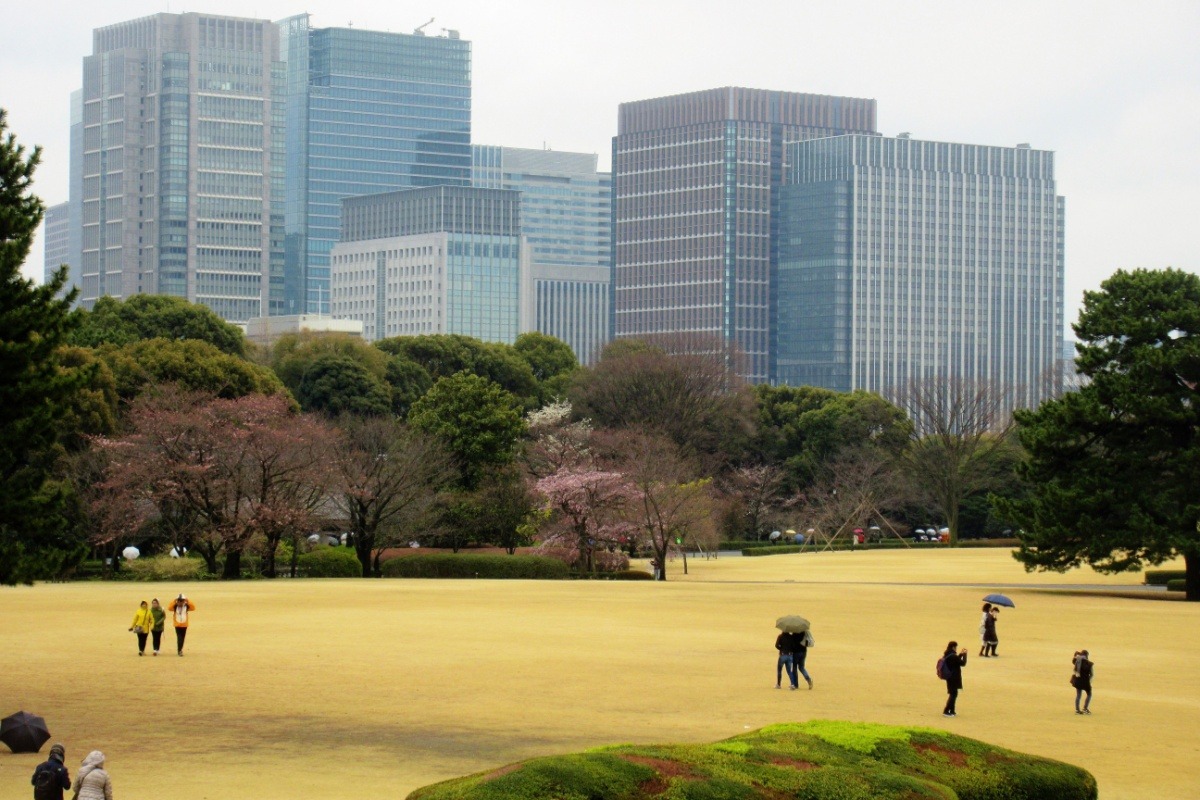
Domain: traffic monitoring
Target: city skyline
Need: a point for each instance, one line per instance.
(1108, 90)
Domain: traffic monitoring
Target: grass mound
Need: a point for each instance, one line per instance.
(818, 760)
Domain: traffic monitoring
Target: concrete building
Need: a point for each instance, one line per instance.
(367, 112)
(181, 163)
(447, 259)
(56, 239)
(266, 330)
(693, 183)
(566, 213)
(903, 260)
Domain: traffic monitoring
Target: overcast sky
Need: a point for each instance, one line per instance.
(1112, 87)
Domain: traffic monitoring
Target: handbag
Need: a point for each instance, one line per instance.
(138, 629)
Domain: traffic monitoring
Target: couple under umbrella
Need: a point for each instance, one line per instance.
(793, 643)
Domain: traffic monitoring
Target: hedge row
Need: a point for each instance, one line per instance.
(817, 760)
(1162, 577)
(464, 565)
(330, 562)
(1176, 585)
(164, 568)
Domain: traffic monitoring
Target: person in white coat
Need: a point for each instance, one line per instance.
(92, 782)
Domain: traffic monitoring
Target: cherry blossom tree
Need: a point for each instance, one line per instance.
(588, 506)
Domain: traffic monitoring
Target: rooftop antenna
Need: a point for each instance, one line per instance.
(420, 31)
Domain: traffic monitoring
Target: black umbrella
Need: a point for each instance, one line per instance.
(1000, 600)
(24, 733)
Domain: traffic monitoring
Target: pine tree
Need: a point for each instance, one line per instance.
(36, 539)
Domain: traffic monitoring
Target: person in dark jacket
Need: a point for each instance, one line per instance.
(59, 778)
(783, 643)
(1081, 679)
(952, 664)
(989, 632)
(800, 644)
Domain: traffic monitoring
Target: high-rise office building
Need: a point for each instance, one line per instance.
(75, 192)
(367, 112)
(903, 260)
(182, 162)
(56, 240)
(566, 212)
(693, 183)
(447, 259)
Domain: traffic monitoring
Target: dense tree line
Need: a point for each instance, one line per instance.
(151, 421)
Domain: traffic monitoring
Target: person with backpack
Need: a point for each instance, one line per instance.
(801, 643)
(51, 776)
(949, 669)
(179, 608)
(92, 782)
(1081, 679)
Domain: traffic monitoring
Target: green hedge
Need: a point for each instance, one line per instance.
(817, 760)
(1162, 577)
(163, 568)
(330, 562)
(1176, 585)
(474, 565)
(632, 575)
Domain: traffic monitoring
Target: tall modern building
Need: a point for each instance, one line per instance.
(447, 259)
(566, 213)
(693, 181)
(75, 191)
(182, 162)
(367, 112)
(903, 260)
(56, 239)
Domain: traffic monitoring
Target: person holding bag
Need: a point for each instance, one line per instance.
(143, 621)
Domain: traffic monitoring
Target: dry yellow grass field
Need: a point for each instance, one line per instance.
(351, 688)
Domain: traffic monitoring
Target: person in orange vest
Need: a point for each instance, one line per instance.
(180, 608)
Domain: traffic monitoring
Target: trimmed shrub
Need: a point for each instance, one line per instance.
(330, 562)
(163, 568)
(817, 760)
(632, 575)
(1008, 543)
(1163, 577)
(475, 565)
(1176, 585)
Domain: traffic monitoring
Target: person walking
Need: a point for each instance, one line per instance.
(158, 618)
(1081, 679)
(951, 673)
(990, 639)
(92, 782)
(983, 630)
(51, 776)
(800, 644)
(180, 608)
(143, 621)
(783, 643)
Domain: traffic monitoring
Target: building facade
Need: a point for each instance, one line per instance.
(56, 239)
(903, 260)
(566, 213)
(446, 259)
(367, 112)
(182, 163)
(694, 177)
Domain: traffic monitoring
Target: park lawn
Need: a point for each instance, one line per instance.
(348, 688)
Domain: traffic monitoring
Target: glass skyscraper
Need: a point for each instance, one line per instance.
(367, 112)
(694, 178)
(903, 260)
(566, 212)
(56, 239)
(181, 163)
(446, 259)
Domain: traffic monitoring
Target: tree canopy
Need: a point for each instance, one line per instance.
(192, 364)
(336, 384)
(35, 392)
(445, 354)
(1112, 467)
(154, 316)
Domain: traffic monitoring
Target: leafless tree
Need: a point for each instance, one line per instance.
(960, 444)
(758, 494)
(859, 486)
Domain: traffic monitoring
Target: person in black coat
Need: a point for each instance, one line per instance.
(952, 664)
(59, 779)
(1081, 679)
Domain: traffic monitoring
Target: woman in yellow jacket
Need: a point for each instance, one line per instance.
(142, 623)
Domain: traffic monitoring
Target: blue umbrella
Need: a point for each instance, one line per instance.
(999, 600)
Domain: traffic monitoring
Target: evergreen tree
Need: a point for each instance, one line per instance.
(35, 538)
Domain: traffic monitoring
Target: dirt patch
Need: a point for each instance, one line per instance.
(953, 756)
(794, 763)
(500, 773)
(653, 787)
(665, 768)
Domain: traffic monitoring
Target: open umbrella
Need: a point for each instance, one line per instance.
(999, 600)
(792, 624)
(24, 733)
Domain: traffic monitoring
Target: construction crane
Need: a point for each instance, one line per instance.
(421, 30)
